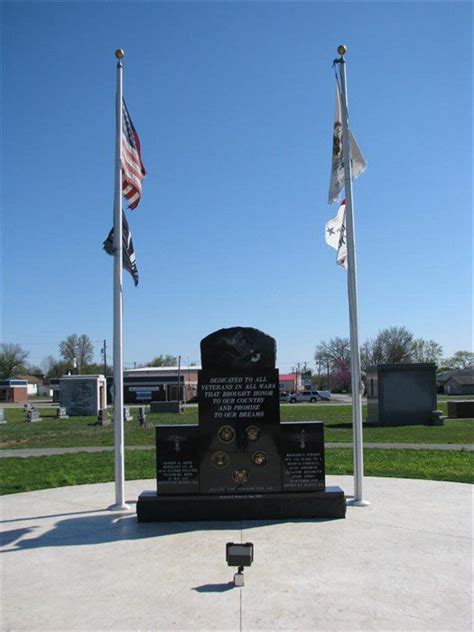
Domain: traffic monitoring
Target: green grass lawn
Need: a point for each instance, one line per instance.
(83, 431)
(447, 398)
(19, 475)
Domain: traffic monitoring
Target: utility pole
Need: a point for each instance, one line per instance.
(104, 352)
(179, 379)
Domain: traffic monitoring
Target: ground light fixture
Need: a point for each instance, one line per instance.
(239, 555)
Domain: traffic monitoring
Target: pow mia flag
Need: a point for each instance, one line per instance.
(128, 256)
(335, 235)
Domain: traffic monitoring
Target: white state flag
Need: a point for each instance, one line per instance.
(359, 165)
(335, 235)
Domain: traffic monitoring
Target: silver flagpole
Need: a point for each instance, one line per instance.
(352, 291)
(118, 302)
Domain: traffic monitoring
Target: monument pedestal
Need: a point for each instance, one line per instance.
(240, 462)
(330, 503)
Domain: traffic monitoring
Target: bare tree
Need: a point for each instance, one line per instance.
(48, 363)
(78, 349)
(460, 360)
(372, 352)
(426, 351)
(12, 359)
(336, 351)
(390, 346)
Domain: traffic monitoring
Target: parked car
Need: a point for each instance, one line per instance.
(303, 396)
(326, 395)
(308, 396)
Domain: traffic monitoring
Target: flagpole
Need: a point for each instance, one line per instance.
(352, 292)
(118, 302)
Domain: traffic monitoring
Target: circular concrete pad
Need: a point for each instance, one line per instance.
(404, 563)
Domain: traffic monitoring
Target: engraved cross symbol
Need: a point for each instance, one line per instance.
(303, 439)
(177, 446)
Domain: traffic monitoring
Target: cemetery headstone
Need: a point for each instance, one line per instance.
(2, 416)
(32, 414)
(459, 409)
(142, 417)
(126, 414)
(438, 418)
(61, 412)
(240, 461)
(103, 417)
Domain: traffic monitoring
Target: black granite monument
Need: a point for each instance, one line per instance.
(240, 462)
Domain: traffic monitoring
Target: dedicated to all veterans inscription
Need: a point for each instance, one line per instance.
(237, 397)
(227, 400)
(240, 461)
(239, 416)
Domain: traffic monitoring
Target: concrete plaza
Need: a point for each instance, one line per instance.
(404, 563)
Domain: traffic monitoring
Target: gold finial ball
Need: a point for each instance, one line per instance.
(342, 49)
(119, 53)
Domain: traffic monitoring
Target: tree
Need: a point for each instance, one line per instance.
(426, 351)
(460, 360)
(52, 367)
(396, 343)
(164, 360)
(77, 349)
(47, 364)
(372, 352)
(58, 369)
(336, 351)
(390, 346)
(341, 380)
(34, 369)
(97, 369)
(12, 359)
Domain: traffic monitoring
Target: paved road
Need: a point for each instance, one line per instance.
(27, 452)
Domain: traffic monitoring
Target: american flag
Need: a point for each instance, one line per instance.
(132, 166)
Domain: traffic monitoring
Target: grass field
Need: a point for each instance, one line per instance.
(83, 431)
(447, 398)
(25, 474)
(19, 475)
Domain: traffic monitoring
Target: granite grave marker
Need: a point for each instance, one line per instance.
(61, 412)
(32, 414)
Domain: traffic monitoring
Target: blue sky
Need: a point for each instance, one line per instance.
(234, 105)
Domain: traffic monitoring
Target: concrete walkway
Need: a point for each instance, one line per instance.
(404, 563)
(27, 452)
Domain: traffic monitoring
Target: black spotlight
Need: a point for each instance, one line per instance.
(239, 555)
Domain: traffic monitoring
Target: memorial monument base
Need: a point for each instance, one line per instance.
(329, 503)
